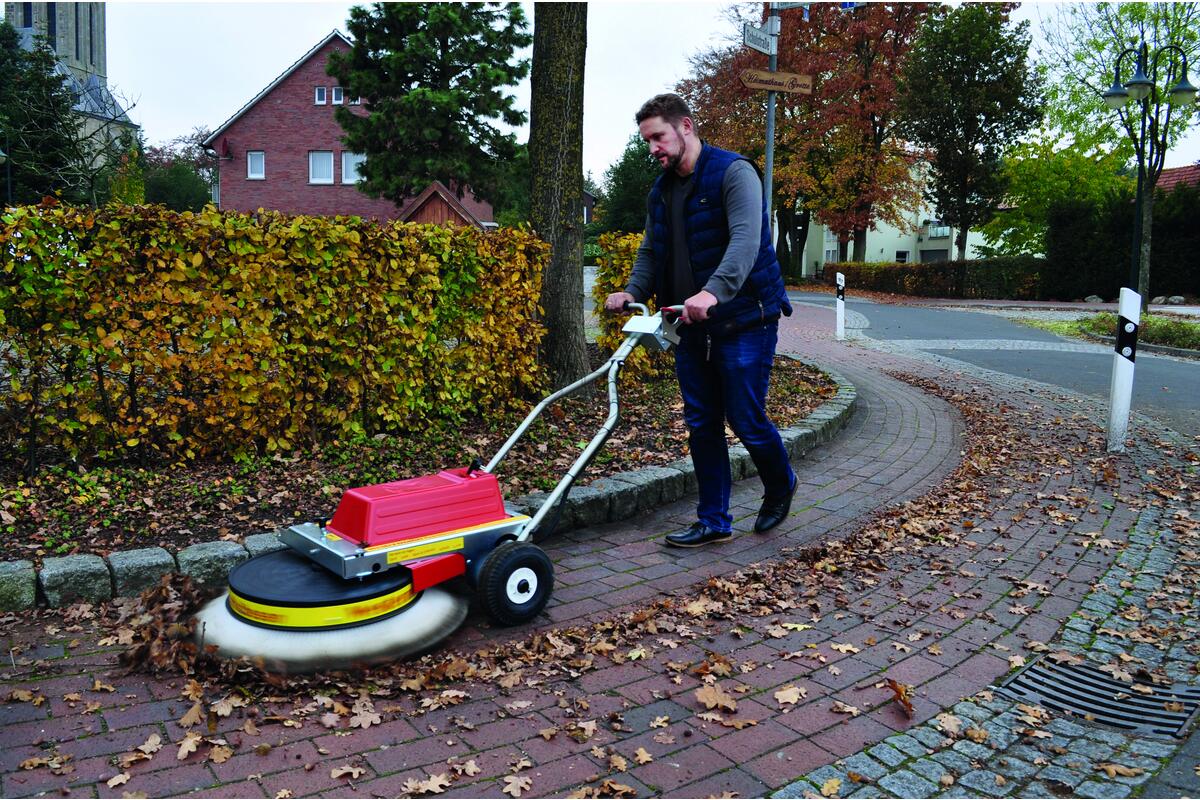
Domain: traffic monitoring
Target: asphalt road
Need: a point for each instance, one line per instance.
(1165, 389)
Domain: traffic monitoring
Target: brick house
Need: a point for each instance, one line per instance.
(283, 151)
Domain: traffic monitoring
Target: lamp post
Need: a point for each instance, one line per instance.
(1142, 88)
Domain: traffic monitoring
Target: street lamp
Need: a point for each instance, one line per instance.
(1140, 89)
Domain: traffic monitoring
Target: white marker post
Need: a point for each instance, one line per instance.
(1121, 390)
(841, 307)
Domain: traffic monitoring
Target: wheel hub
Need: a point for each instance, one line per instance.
(521, 585)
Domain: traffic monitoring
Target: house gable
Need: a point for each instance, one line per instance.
(438, 205)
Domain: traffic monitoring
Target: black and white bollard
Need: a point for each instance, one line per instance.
(1121, 391)
(841, 307)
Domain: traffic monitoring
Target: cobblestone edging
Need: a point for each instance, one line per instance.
(90, 578)
(923, 762)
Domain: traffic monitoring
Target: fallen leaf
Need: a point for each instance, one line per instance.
(903, 693)
(97, 686)
(610, 788)
(977, 735)
(517, 706)
(949, 724)
(934, 649)
(193, 717)
(219, 754)
(470, 769)
(117, 780)
(831, 787)
(548, 733)
(844, 648)
(660, 722)
(282, 794)
(790, 695)
(715, 697)
(843, 708)
(515, 784)
(189, 745)
(1113, 770)
(344, 770)
(436, 784)
(618, 762)
(152, 744)
(642, 756)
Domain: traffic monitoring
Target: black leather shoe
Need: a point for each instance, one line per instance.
(697, 536)
(774, 510)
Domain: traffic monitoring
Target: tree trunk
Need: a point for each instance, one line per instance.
(793, 234)
(1143, 286)
(556, 163)
(960, 241)
(860, 245)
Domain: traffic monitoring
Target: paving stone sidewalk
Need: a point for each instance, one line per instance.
(945, 620)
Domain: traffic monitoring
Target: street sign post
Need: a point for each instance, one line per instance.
(776, 81)
(759, 39)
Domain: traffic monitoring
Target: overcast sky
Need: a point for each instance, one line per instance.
(184, 65)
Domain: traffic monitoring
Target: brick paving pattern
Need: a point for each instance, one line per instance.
(947, 625)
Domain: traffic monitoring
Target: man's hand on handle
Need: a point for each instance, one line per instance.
(696, 307)
(617, 300)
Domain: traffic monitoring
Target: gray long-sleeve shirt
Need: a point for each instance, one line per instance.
(741, 190)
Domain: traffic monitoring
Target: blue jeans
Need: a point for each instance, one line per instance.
(726, 379)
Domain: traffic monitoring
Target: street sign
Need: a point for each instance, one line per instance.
(776, 81)
(758, 39)
(786, 6)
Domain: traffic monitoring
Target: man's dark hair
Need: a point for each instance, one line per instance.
(671, 107)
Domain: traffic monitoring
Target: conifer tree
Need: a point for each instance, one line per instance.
(433, 79)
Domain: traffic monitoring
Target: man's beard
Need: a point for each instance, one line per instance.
(673, 160)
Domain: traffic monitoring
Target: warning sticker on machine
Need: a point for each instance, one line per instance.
(421, 551)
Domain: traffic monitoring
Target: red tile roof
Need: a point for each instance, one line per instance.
(1170, 178)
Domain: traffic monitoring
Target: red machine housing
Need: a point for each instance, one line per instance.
(410, 509)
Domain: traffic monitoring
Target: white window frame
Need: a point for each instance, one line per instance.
(831, 255)
(356, 101)
(904, 253)
(311, 154)
(335, 96)
(318, 95)
(347, 178)
(250, 174)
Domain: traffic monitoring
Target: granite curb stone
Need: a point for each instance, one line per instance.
(70, 579)
(18, 585)
(135, 570)
(261, 543)
(209, 563)
(612, 499)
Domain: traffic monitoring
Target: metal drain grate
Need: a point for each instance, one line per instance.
(1094, 695)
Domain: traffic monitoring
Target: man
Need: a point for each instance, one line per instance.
(707, 246)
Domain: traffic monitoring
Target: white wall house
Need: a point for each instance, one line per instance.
(925, 239)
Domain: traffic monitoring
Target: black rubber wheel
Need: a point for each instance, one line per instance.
(515, 582)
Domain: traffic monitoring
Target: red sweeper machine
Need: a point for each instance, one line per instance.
(390, 574)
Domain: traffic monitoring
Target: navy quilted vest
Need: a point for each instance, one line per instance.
(763, 295)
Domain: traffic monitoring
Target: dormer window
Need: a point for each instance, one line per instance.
(319, 96)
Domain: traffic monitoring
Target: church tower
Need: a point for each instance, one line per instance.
(74, 31)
